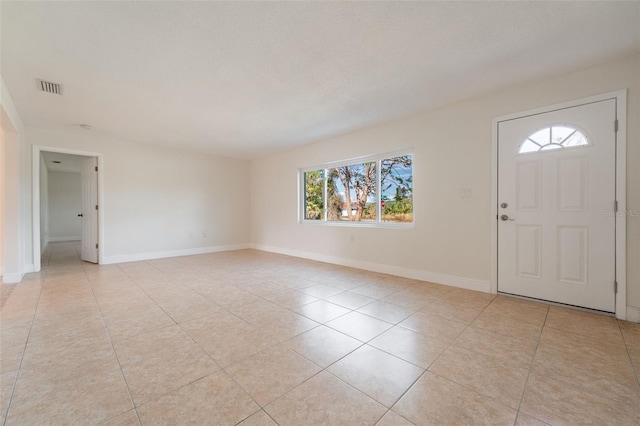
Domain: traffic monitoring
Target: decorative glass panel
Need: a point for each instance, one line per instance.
(551, 138)
(541, 137)
(529, 146)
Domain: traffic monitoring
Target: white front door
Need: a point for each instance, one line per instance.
(556, 194)
(89, 249)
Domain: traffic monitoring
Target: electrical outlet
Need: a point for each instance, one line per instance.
(466, 193)
(353, 238)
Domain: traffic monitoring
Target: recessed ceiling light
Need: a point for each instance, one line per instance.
(86, 127)
(56, 162)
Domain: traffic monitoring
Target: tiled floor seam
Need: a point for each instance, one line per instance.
(154, 301)
(124, 377)
(533, 359)
(254, 413)
(252, 398)
(399, 415)
(426, 370)
(24, 349)
(636, 368)
(199, 346)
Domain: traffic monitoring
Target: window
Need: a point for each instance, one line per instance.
(314, 195)
(554, 137)
(375, 190)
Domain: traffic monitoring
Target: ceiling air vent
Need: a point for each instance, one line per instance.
(49, 87)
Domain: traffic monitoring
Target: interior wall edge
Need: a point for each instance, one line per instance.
(633, 314)
(450, 280)
(136, 257)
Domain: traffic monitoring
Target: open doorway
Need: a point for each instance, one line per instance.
(66, 206)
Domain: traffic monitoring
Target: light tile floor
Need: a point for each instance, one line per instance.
(254, 338)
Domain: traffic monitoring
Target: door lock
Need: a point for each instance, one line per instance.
(504, 205)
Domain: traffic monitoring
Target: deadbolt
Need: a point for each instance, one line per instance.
(504, 205)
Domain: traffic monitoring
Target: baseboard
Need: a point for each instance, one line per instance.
(61, 239)
(466, 283)
(12, 278)
(633, 314)
(135, 257)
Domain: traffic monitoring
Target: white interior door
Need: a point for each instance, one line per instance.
(89, 251)
(556, 195)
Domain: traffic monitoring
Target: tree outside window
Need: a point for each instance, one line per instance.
(351, 191)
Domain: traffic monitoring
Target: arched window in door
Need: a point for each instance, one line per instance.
(553, 137)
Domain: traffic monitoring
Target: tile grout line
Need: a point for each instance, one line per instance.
(24, 350)
(223, 369)
(175, 271)
(326, 369)
(426, 370)
(124, 378)
(533, 359)
(626, 348)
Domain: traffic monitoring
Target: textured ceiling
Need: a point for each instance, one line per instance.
(246, 79)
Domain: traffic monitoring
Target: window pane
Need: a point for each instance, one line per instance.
(351, 193)
(561, 137)
(528, 146)
(397, 189)
(560, 133)
(314, 195)
(576, 139)
(541, 137)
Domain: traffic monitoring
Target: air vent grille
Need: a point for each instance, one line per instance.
(49, 87)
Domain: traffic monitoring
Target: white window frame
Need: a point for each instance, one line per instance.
(377, 158)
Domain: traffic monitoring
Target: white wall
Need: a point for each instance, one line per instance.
(64, 204)
(1, 200)
(160, 201)
(452, 150)
(14, 226)
(44, 206)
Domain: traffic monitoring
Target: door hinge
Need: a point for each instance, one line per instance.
(615, 125)
(615, 206)
(96, 168)
(96, 207)
(96, 245)
(615, 287)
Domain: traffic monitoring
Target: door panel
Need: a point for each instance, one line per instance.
(572, 184)
(89, 247)
(556, 241)
(528, 251)
(573, 250)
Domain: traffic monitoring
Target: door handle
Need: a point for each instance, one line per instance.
(505, 217)
(80, 215)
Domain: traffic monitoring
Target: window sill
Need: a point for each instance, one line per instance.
(359, 224)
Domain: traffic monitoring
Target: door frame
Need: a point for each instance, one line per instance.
(35, 182)
(620, 97)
